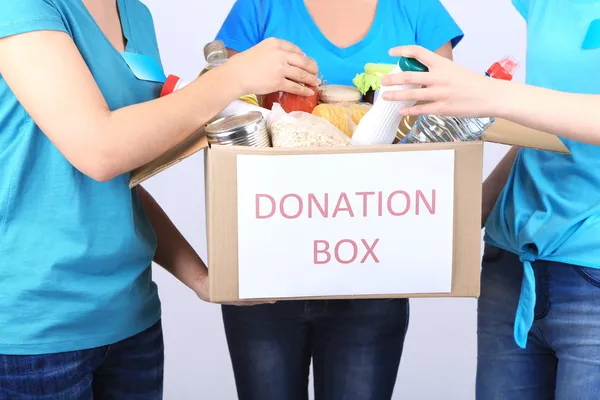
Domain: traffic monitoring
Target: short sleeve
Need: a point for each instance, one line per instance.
(522, 7)
(22, 16)
(242, 28)
(434, 25)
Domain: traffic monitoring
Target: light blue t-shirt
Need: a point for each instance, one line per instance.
(75, 254)
(396, 23)
(550, 207)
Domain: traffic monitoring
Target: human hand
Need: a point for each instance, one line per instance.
(274, 65)
(448, 89)
(202, 289)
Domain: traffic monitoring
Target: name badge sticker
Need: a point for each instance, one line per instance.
(592, 38)
(145, 68)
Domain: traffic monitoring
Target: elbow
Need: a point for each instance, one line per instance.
(99, 173)
(98, 166)
(102, 175)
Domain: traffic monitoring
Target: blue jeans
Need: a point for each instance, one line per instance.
(355, 347)
(562, 358)
(128, 370)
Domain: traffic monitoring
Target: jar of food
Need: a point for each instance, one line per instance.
(369, 81)
(292, 102)
(249, 129)
(331, 94)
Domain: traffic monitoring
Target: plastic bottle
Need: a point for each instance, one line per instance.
(432, 128)
(380, 123)
(215, 54)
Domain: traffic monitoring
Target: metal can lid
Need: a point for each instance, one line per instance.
(216, 46)
(234, 123)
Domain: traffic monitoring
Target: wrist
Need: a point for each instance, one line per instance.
(500, 98)
(233, 79)
(222, 82)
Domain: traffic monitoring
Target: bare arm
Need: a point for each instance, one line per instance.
(450, 89)
(173, 252)
(573, 116)
(445, 51)
(47, 74)
(176, 255)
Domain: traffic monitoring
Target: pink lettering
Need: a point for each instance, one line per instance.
(430, 205)
(273, 206)
(365, 199)
(406, 207)
(312, 200)
(282, 208)
(339, 208)
(370, 251)
(354, 251)
(324, 250)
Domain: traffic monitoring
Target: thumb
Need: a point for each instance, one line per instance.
(429, 58)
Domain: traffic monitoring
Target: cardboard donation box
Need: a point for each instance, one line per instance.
(345, 222)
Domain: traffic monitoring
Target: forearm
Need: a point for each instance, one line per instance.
(573, 116)
(135, 135)
(494, 184)
(173, 252)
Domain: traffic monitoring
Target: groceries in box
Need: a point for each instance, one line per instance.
(293, 210)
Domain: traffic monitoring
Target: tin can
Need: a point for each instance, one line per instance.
(248, 129)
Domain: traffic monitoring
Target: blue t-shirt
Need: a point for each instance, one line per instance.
(75, 254)
(550, 207)
(396, 23)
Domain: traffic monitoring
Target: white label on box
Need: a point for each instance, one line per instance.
(345, 224)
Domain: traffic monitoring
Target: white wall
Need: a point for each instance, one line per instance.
(440, 352)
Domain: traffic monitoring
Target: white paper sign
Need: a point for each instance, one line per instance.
(345, 224)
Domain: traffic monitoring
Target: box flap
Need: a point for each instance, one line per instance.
(507, 132)
(188, 147)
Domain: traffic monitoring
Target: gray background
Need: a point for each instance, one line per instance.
(440, 352)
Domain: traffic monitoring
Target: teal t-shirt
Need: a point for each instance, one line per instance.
(550, 207)
(75, 254)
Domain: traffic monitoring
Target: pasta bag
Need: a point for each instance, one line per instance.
(344, 116)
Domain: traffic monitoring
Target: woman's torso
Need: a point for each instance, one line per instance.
(396, 22)
(75, 253)
(550, 208)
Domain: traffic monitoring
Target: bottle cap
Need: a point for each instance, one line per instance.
(509, 64)
(411, 64)
(213, 47)
(503, 69)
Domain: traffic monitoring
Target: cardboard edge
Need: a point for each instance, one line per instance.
(509, 133)
(185, 149)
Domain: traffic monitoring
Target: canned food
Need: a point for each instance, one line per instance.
(248, 129)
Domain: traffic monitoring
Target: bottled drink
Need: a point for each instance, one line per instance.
(215, 54)
(380, 123)
(432, 128)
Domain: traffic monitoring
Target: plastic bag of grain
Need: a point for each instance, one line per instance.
(300, 129)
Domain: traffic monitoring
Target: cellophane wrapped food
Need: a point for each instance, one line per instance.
(301, 129)
(344, 116)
